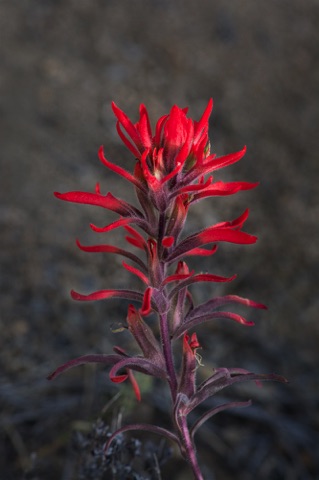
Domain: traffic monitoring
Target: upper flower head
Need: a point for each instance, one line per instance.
(174, 159)
(176, 139)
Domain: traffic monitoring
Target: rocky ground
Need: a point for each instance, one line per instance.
(62, 62)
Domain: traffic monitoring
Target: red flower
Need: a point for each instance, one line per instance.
(174, 157)
(172, 172)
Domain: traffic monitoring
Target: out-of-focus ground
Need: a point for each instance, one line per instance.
(62, 62)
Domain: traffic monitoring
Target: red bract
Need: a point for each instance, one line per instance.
(172, 171)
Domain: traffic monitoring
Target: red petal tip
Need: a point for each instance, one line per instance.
(75, 295)
(119, 378)
(167, 241)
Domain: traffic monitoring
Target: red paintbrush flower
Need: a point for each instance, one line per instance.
(172, 171)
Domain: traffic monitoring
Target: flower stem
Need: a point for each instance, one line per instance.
(168, 354)
(188, 448)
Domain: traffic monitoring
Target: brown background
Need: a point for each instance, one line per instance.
(62, 62)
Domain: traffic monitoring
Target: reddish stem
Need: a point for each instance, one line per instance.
(188, 448)
(168, 354)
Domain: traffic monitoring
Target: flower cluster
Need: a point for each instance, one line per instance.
(173, 170)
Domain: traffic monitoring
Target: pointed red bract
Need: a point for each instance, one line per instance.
(104, 294)
(136, 239)
(188, 372)
(137, 272)
(146, 308)
(201, 127)
(134, 384)
(119, 170)
(106, 201)
(127, 125)
(111, 249)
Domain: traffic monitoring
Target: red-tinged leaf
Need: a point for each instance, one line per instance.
(120, 351)
(134, 384)
(201, 277)
(111, 249)
(214, 303)
(173, 173)
(144, 127)
(97, 248)
(119, 378)
(141, 427)
(223, 378)
(210, 164)
(133, 242)
(202, 126)
(146, 308)
(119, 170)
(221, 162)
(209, 277)
(176, 277)
(119, 223)
(192, 188)
(106, 201)
(202, 251)
(84, 359)
(128, 125)
(145, 338)
(213, 411)
(210, 235)
(152, 182)
(136, 272)
(159, 130)
(199, 152)
(127, 142)
(188, 372)
(236, 223)
(223, 189)
(104, 294)
(200, 319)
(139, 240)
(177, 218)
(139, 364)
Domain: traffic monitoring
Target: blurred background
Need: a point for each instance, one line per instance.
(62, 63)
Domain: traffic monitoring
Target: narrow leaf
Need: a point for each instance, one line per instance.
(141, 427)
(91, 358)
(195, 321)
(210, 413)
(120, 171)
(111, 249)
(104, 294)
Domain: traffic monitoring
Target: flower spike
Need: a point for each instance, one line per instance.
(172, 170)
